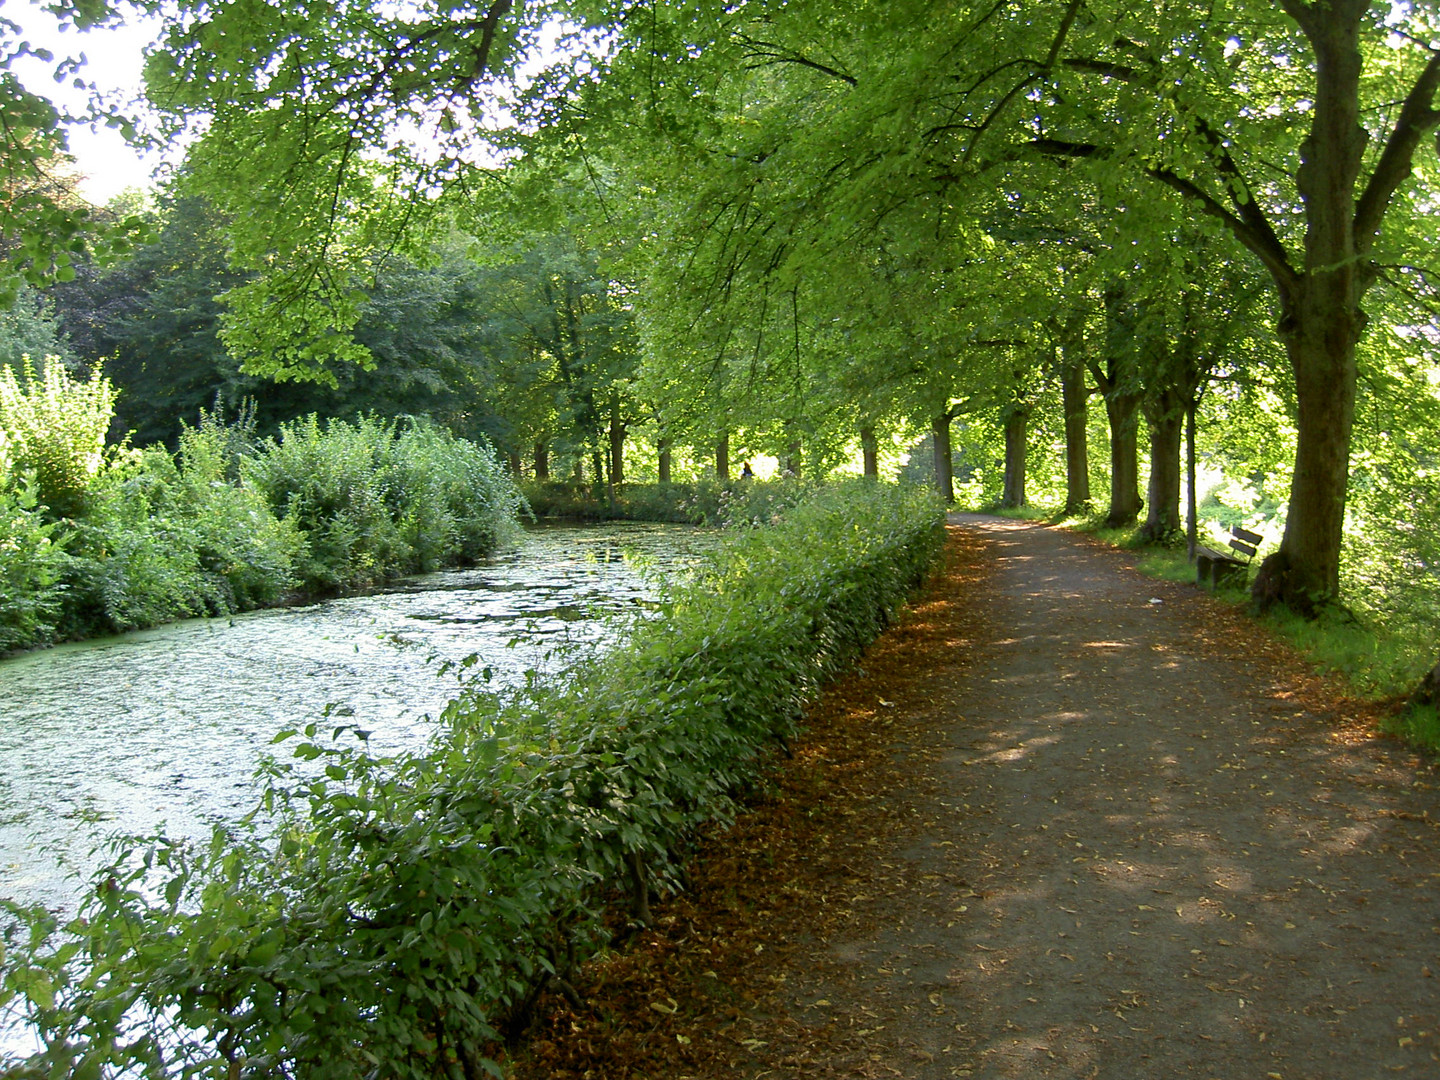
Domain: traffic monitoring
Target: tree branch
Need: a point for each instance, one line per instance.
(779, 54)
(1061, 33)
(1417, 119)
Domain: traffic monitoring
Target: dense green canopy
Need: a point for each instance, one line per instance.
(802, 224)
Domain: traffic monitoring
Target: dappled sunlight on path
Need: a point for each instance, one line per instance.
(1169, 869)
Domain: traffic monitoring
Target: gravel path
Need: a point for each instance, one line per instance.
(1172, 868)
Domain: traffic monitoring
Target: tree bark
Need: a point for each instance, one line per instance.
(870, 450)
(1165, 418)
(1192, 509)
(542, 460)
(1122, 410)
(944, 466)
(1320, 342)
(722, 458)
(1075, 400)
(793, 460)
(664, 462)
(1017, 422)
(1321, 320)
(617, 443)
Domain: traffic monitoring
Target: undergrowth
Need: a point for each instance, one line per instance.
(97, 538)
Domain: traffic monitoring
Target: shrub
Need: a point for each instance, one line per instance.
(705, 502)
(32, 571)
(54, 428)
(405, 914)
(375, 500)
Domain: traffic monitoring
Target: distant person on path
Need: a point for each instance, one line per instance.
(747, 473)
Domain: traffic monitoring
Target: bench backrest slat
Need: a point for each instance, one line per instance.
(1251, 538)
(1248, 550)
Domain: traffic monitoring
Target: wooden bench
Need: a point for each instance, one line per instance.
(1217, 568)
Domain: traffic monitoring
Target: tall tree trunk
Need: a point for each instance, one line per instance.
(512, 458)
(542, 460)
(1075, 400)
(1123, 395)
(1321, 320)
(1192, 499)
(617, 443)
(1017, 422)
(597, 466)
(944, 465)
(664, 463)
(1165, 418)
(793, 459)
(722, 458)
(870, 450)
(1122, 409)
(1321, 348)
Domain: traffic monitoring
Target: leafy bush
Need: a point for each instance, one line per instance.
(167, 537)
(706, 502)
(405, 914)
(375, 500)
(54, 429)
(227, 523)
(32, 570)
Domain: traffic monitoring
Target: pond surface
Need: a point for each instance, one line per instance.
(166, 726)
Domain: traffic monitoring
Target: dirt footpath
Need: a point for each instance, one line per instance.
(1069, 822)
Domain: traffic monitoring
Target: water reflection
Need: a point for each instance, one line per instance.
(166, 725)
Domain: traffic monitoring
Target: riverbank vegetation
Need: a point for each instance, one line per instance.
(402, 917)
(100, 537)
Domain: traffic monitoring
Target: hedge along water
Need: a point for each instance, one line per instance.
(124, 733)
(407, 912)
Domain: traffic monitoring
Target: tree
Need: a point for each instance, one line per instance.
(1352, 91)
(45, 227)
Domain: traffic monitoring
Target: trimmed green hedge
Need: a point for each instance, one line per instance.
(403, 916)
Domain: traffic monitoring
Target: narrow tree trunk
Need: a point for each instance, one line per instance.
(793, 460)
(1017, 422)
(1075, 399)
(542, 460)
(870, 449)
(1166, 421)
(512, 458)
(1122, 410)
(664, 464)
(944, 466)
(597, 466)
(617, 443)
(1192, 503)
(722, 457)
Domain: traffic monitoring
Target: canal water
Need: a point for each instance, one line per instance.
(165, 727)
